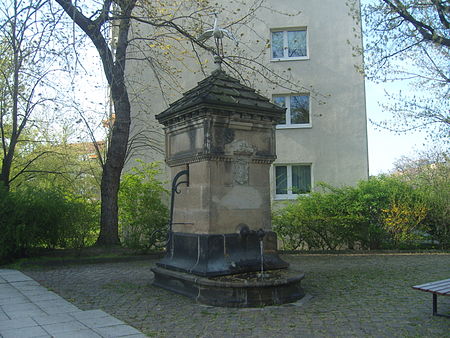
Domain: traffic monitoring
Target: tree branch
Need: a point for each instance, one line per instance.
(442, 11)
(94, 33)
(24, 169)
(428, 33)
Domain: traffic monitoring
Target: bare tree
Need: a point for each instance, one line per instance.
(409, 41)
(28, 59)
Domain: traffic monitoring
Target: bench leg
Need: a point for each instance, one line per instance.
(435, 307)
(434, 304)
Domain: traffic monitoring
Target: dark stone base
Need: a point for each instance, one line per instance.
(223, 254)
(242, 290)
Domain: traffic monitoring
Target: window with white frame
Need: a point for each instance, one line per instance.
(289, 44)
(297, 110)
(292, 180)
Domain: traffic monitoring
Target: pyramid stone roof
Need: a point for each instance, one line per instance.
(220, 90)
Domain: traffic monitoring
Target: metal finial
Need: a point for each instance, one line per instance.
(218, 34)
(218, 62)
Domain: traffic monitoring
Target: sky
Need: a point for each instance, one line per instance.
(385, 147)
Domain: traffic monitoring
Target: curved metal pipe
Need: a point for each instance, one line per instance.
(175, 185)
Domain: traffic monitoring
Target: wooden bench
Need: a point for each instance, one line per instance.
(441, 287)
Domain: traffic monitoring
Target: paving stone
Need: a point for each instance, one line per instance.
(7, 290)
(67, 308)
(24, 313)
(61, 302)
(24, 332)
(48, 295)
(25, 283)
(14, 277)
(57, 328)
(3, 316)
(89, 314)
(101, 321)
(18, 299)
(20, 307)
(30, 289)
(17, 323)
(116, 331)
(53, 319)
(87, 333)
(19, 310)
(56, 306)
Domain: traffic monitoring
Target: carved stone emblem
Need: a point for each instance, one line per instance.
(240, 171)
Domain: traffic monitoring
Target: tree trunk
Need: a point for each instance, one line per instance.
(5, 172)
(15, 132)
(109, 233)
(112, 169)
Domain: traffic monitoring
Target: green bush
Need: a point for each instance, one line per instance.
(32, 217)
(430, 174)
(438, 216)
(141, 206)
(82, 222)
(9, 239)
(319, 221)
(383, 212)
(378, 198)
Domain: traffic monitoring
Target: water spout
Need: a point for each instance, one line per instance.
(260, 234)
(261, 246)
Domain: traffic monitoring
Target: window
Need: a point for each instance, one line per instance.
(289, 44)
(297, 110)
(292, 180)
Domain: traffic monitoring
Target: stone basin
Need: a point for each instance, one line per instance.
(240, 290)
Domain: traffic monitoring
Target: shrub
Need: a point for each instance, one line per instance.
(429, 173)
(317, 222)
(141, 206)
(9, 239)
(378, 198)
(83, 219)
(32, 217)
(437, 219)
(379, 213)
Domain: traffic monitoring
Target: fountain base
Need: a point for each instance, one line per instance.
(250, 289)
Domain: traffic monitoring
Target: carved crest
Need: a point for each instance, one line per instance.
(240, 171)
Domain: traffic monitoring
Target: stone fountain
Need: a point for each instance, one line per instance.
(221, 137)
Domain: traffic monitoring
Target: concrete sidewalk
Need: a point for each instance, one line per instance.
(29, 310)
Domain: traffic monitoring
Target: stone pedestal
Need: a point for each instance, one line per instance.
(220, 254)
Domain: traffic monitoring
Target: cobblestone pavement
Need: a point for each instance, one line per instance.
(348, 295)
